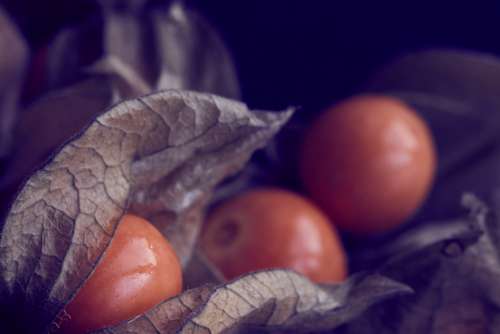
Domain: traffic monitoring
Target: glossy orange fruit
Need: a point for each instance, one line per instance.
(272, 228)
(368, 162)
(139, 270)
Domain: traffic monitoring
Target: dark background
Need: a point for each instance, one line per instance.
(308, 53)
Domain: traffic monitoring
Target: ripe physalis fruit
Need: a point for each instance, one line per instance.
(368, 162)
(139, 270)
(272, 228)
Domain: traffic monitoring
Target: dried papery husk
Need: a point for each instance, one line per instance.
(122, 53)
(454, 276)
(158, 156)
(162, 46)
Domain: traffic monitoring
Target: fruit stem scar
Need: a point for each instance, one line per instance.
(227, 232)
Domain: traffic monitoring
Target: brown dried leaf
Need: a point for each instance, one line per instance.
(158, 156)
(189, 55)
(161, 48)
(455, 279)
(282, 300)
(13, 64)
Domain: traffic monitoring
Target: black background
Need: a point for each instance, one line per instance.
(308, 53)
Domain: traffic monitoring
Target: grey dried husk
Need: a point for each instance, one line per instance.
(186, 52)
(454, 272)
(13, 64)
(158, 156)
(156, 47)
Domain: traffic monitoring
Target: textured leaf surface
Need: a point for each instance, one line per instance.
(455, 281)
(280, 300)
(158, 156)
(125, 52)
(162, 47)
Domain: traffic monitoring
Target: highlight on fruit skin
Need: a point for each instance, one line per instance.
(272, 228)
(368, 162)
(138, 271)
